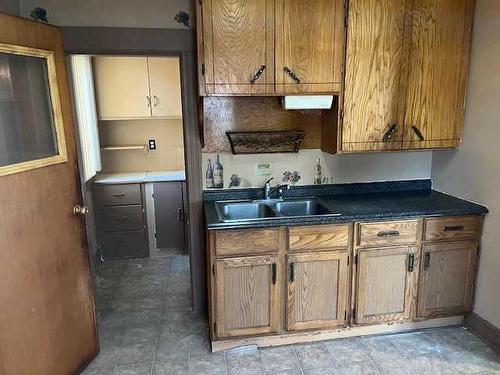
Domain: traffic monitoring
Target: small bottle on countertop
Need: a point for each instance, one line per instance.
(209, 177)
(218, 174)
(317, 173)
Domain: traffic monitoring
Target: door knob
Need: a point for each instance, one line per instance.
(80, 210)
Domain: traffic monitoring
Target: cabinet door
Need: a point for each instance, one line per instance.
(238, 44)
(375, 54)
(385, 284)
(122, 87)
(165, 83)
(246, 295)
(317, 290)
(440, 38)
(447, 278)
(169, 215)
(309, 43)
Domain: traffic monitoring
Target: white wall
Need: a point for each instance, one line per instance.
(123, 13)
(342, 168)
(474, 171)
(10, 6)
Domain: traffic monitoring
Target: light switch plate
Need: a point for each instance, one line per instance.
(263, 169)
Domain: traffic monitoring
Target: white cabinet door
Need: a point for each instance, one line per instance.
(165, 82)
(122, 87)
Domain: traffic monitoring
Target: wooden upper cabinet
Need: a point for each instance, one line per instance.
(238, 46)
(373, 112)
(316, 290)
(385, 284)
(165, 84)
(246, 295)
(440, 40)
(309, 46)
(446, 278)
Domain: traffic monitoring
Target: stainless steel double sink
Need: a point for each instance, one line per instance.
(235, 211)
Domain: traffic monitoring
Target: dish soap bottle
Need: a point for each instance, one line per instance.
(209, 178)
(218, 174)
(317, 173)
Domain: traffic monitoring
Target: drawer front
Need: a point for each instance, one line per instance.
(318, 237)
(387, 233)
(120, 218)
(115, 195)
(118, 245)
(243, 242)
(453, 228)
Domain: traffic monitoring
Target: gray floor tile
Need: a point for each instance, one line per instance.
(173, 367)
(141, 333)
(99, 371)
(330, 370)
(172, 350)
(199, 344)
(137, 369)
(313, 356)
(473, 362)
(380, 348)
(346, 351)
(359, 368)
(141, 352)
(247, 362)
(275, 360)
(213, 364)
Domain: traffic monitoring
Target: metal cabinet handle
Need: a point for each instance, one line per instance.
(453, 228)
(273, 273)
(389, 133)
(392, 233)
(291, 74)
(180, 215)
(156, 101)
(120, 218)
(257, 74)
(118, 195)
(427, 260)
(418, 133)
(292, 273)
(148, 100)
(411, 262)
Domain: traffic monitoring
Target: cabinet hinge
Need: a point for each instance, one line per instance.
(345, 315)
(213, 269)
(203, 69)
(348, 259)
(354, 313)
(477, 251)
(342, 115)
(356, 260)
(155, 235)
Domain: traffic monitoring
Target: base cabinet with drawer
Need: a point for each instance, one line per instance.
(296, 284)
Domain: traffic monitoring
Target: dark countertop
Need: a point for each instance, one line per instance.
(355, 202)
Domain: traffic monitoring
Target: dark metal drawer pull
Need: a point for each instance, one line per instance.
(291, 74)
(389, 133)
(257, 74)
(418, 133)
(392, 233)
(292, 273)
(411, 262)
(273, 271)
(453, 228)
(120, 218)
(427, 260)
(117, 195)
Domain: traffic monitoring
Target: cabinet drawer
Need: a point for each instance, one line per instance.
(453, 228)
(114, 195)
(120, 218)
(124, 244)
(243, 242)
(387, 233)
(318, 237)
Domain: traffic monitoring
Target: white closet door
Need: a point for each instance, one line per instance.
(122, 87)
(165, 83)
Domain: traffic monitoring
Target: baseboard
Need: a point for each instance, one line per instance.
(484, 330)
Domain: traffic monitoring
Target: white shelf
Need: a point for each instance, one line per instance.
(129, 147)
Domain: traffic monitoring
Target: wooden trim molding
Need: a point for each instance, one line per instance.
(484, 329)
(55, 100)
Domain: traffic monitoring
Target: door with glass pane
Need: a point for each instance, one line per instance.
(47, 318)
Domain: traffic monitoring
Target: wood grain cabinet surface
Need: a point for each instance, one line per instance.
(270, 47)
(406, 73)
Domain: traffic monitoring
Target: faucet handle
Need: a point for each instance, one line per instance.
(269, 181)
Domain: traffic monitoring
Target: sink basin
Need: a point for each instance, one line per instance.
(243, 211)
(305, 207)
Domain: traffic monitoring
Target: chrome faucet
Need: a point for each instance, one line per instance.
(268, 190)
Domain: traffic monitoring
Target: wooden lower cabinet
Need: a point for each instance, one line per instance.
(246, 295)
(447, 278)
(385, 278)
(316, 290)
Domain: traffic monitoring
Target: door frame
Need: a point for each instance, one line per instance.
(163, 43)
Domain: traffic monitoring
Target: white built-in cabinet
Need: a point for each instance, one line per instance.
(137, 87)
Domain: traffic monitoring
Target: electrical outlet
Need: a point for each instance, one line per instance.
(152, 144)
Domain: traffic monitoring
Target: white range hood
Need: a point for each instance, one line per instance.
(308, 102)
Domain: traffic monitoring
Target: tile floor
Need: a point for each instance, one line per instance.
(146, 328)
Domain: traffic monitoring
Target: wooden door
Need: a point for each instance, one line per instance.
(385, 284)
(47, 319)
(309, 46)
(122, 87)
(447, 278)
(373, 111)
(238, 46)
(246, 295)
(316, 290)
(435, 100)
(165, 86)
